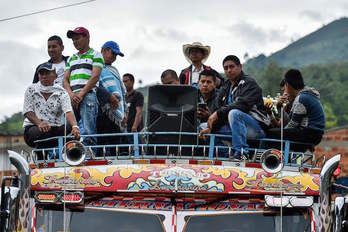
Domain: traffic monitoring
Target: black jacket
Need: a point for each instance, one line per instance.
(247, 97)
(186, 75)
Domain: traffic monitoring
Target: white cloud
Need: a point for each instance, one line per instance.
(151, 33)
(312, 15)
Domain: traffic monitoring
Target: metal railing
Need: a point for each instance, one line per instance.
(141, 147)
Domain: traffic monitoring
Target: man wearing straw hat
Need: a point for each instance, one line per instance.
(196, 54)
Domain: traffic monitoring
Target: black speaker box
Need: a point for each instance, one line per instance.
(172, 108)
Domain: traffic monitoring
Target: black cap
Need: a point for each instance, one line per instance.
(47, 66)
(294, 78)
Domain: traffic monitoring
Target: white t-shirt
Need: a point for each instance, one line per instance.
(195, 74)
(60, 69)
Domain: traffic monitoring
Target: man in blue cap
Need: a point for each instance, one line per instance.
(110, 119)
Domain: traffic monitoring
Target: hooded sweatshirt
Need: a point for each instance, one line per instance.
(307, 111)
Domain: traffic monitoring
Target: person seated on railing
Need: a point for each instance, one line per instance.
(207, 103)
(284, 100)
(283, 103)
(44, 105)
(109, 119)
(169, 77)
(307, 120)
(241, 109)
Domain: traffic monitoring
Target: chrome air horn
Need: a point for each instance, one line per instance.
(272, 161)
(74, 152)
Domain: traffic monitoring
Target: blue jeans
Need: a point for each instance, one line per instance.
(88, 113)
(241, 126)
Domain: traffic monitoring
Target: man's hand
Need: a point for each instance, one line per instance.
(75, 100)
(114, 102)
(203, 113)
(212, 118)
(44, 127)
(205, 131)
(124, 121)
(269, 108)
(284, 99)
(134, 129)
(75, 132)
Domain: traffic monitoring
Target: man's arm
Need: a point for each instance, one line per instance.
(43, 126)
(29, 110)
(298, 113)
(139, 111)
(66, 82)
(70, 117)
(32, 118)
(91, 82)
(75, 100)
(138, 116)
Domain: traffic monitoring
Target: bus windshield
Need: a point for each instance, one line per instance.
(91, 220)
(292, 222)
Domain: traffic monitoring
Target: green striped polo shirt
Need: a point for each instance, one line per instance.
(81, 68)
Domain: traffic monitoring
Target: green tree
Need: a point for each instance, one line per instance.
(271, 78)
(330, 117)
(12, 125)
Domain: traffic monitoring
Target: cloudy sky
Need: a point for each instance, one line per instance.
(151, 33)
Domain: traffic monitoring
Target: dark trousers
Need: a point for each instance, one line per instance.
(301, 135)
(33, 133)
(106, 126)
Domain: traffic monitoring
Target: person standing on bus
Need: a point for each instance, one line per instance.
(135, 103)
(109, 119)
(196, 54)
(55, 49)
(81, 75)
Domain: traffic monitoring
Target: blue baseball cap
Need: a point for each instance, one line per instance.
(114, 47)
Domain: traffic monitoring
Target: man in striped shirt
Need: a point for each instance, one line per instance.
(81, 75)
(110, 119)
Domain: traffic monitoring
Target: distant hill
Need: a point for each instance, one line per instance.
(327, 45)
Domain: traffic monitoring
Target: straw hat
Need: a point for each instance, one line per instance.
(186, 49)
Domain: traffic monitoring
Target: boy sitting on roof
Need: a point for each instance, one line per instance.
(307, 120)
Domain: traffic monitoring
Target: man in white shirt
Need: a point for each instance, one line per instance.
(44, 105)
(55, 49)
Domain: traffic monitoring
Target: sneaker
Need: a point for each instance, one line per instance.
(237, 156)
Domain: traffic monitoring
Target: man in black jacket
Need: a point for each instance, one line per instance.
(241, 110)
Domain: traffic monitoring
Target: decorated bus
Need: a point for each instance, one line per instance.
(272, 191)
